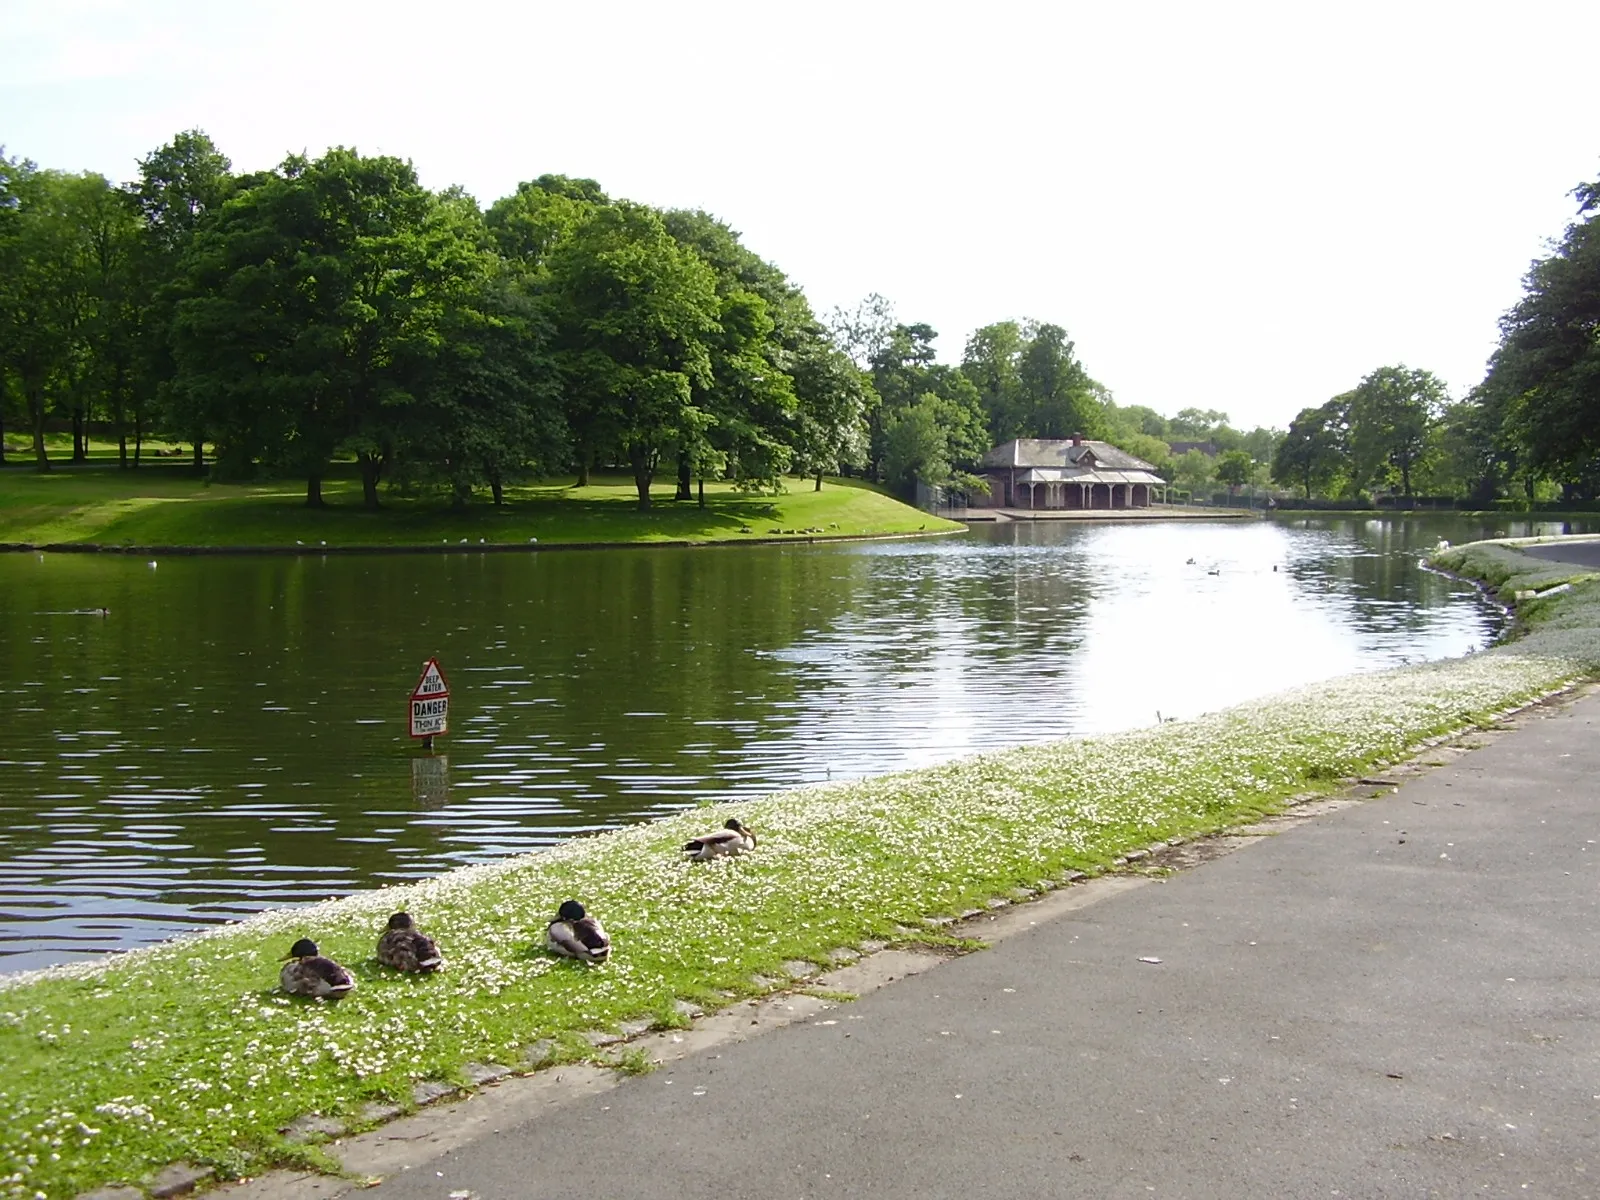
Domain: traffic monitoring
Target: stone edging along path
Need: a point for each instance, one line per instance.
(500, 1096)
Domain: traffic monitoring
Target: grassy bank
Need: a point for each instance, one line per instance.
(165, 505)
(184, 1051)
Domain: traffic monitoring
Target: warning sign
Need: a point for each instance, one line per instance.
(430, 703)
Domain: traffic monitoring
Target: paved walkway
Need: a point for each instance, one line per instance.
(1397, 998)
(1585, 552)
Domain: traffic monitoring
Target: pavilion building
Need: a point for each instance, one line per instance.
(1045, 473)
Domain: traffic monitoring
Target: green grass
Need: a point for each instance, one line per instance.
(185, 1051)
(164, 505)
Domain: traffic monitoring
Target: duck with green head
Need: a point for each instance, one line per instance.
(732, 838)
(307, 973)
(576, 934)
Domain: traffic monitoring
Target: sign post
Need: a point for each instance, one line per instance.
(430, 705)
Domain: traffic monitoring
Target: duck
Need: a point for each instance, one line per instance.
(575, 934)
(732, 838)
(406, 948)
(307, 973)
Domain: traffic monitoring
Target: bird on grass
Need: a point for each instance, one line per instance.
(732, 838)
(575, 934)
(307, 973)
(406, 948)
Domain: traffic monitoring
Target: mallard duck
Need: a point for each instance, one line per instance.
(575, 934)
(406, 948)
(732, 838)
(307, 973)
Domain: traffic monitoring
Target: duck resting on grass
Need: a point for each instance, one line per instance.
(575, 934)
(307, 973)
(406, 948)
(732, 838)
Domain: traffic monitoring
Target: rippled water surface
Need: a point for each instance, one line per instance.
(229, 735)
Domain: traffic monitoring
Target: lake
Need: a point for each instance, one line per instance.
(230, 734)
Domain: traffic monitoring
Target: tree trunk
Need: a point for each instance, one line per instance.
(644, 469)
(702, 493)
(685, 477)
(371, 469)
(314, 491)
(80, 449)
(138, 439)
(41, 457)
(1405, 480)
(497, 489)
(818, 488)
(583, 467)
(200, 466)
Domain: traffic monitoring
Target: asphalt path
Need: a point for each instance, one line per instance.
(1399, 998)
(1584, 552)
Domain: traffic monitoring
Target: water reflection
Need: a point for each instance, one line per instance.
(230, 735)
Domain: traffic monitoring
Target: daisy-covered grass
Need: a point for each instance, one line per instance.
(186, 1052)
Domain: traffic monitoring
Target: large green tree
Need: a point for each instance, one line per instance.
(1390, 416)
(180, 186)
(1311, 455)
(634, 313)
(316, 301)
(1544, 379)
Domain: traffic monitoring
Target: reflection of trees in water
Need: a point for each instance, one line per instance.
(249, 742)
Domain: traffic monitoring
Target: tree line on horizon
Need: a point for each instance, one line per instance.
(1530, 431)
(335, 309)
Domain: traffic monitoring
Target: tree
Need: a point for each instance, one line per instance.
(316, 301)
(1197, 424)
(1192, 469)
(832, 397)
(44, 282)
(180, 185)
(1390, 416)
(1544, 379)
(633, 312)
(990, 361)
(1312, 452)
(1058, 396)
(1234, 469)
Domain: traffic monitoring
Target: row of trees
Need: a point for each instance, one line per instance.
(1530, 429)
(334, 309)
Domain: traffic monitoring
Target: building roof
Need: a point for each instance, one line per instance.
(1061, 453)
(1075, 475)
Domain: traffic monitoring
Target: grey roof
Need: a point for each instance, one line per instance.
(1060, 452)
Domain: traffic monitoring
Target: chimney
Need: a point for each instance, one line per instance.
(1077, 439)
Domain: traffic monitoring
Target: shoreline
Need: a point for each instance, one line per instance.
(177, 1031)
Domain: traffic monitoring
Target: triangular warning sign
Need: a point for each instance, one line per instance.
(432, 682)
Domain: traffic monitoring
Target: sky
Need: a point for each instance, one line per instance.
(1242, 207)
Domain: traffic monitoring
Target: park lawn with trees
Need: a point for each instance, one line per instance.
(168, 507)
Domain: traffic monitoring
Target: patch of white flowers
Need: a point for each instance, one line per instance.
(189, 1050)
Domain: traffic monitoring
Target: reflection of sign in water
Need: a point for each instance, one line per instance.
(430, 703)
(430, 781)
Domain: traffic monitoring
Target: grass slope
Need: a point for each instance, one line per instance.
(184, 1051)
(166, 506)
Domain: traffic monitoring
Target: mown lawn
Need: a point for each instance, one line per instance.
(162, 504)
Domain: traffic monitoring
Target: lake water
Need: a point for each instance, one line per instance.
(230, 735)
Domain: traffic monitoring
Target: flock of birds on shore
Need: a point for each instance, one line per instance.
(575, 933)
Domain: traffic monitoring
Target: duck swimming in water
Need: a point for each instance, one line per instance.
(406, 948)
(732, 838)
(575, 934)
(307, 973)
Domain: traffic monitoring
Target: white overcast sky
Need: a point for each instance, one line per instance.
(1234, 206)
